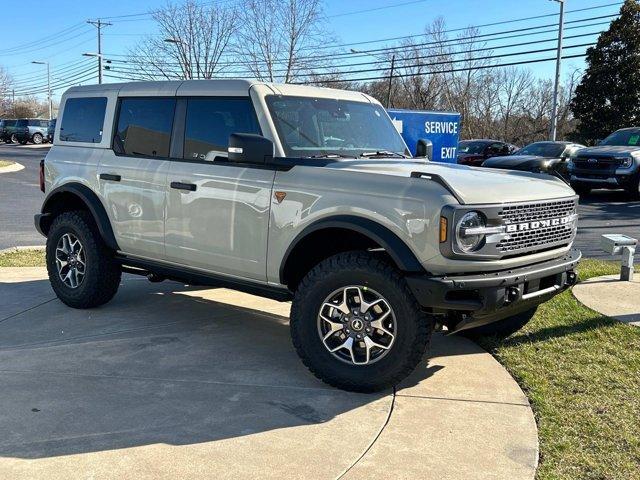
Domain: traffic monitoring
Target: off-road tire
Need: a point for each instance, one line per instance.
(414, 327)
(102, 273)
(502, 328)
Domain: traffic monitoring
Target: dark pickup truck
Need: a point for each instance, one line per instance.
(613, 164)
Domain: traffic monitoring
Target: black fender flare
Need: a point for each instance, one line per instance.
(93, 204)
(397, 249)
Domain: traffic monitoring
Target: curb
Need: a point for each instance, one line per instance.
(20, 249)
(15, 167)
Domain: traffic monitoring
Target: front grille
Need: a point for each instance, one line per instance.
(540, 237)
(596, 163)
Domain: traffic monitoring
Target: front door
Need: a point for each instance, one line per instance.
(218, 212)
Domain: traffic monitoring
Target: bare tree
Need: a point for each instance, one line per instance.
(5, 92)
(190, 43)
(280, 39)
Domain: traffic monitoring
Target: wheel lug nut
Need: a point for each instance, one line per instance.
(358, 336)
(368, 330)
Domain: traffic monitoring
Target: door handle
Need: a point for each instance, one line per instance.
(184, 186)
(110, 176)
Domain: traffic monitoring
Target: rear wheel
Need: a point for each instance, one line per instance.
(502, 328)
(14, 138)
(356, 325)
(37, 138)
(81, 268)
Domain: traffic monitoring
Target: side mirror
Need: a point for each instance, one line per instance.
(250, 148)
(424, 148)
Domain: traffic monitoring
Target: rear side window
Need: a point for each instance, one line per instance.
(210, 121)
(144, 127)
(22, 123)
(83, 119)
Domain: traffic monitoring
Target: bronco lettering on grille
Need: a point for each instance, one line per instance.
(552, 222)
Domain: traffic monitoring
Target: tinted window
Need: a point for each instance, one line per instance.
(22, 123)
(83, 119)
(210, 121)
(623, 138)
(471, 147)
(543, 149)
(144, 126)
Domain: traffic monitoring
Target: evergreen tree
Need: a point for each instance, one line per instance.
(608, 96)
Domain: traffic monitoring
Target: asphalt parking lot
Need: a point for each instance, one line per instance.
(20, 198)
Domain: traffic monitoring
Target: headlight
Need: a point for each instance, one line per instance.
(466, 238)
(625, 162)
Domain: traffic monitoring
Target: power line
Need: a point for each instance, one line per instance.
(421, 74)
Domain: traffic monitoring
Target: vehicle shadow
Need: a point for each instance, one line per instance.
(160, 364)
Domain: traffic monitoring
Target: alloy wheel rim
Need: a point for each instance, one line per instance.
(70, 260)
(357, 325)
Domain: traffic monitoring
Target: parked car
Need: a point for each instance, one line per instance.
(32, 130)
(538, 157)
(51, 128)
(474, 152)
(8, 131)
(196, 178)
(613, 164)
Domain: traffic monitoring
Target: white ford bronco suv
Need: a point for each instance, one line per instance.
(304, 194)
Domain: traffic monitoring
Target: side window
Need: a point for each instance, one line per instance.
(83, 119)
(144, 127)
(210, 121)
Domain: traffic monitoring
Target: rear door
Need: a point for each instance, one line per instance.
(217, 212)
(133, 175)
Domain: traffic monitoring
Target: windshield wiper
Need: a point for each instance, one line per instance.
(382, 153)
(331, 155)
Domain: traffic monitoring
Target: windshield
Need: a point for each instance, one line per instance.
(311, 127)
(543, 149)
(623, 138)
(471, 147)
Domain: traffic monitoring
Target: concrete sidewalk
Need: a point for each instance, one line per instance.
(169, 381)
(611, 297)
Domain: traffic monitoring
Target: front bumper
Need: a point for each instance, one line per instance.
(476, 300)
(612, 179)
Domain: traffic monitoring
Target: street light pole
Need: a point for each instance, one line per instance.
(554, 110)
(48, 85)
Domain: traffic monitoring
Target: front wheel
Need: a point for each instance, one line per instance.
(581, 190)
(81, 268)
(502, 328)
(356, 325)
(37, 138)
(633, 190)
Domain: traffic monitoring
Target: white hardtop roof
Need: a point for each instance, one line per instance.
(230, 87)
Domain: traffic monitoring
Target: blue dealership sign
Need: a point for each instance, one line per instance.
(442, 128)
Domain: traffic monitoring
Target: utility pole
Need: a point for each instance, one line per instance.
(554, 111)
(393, 64)
(99, 24)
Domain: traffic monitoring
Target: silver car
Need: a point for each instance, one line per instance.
(299, 194)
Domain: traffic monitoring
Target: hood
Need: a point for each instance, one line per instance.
(472, 184)
(517, 161)
(608, 150)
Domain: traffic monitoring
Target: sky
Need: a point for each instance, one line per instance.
(24, 37)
